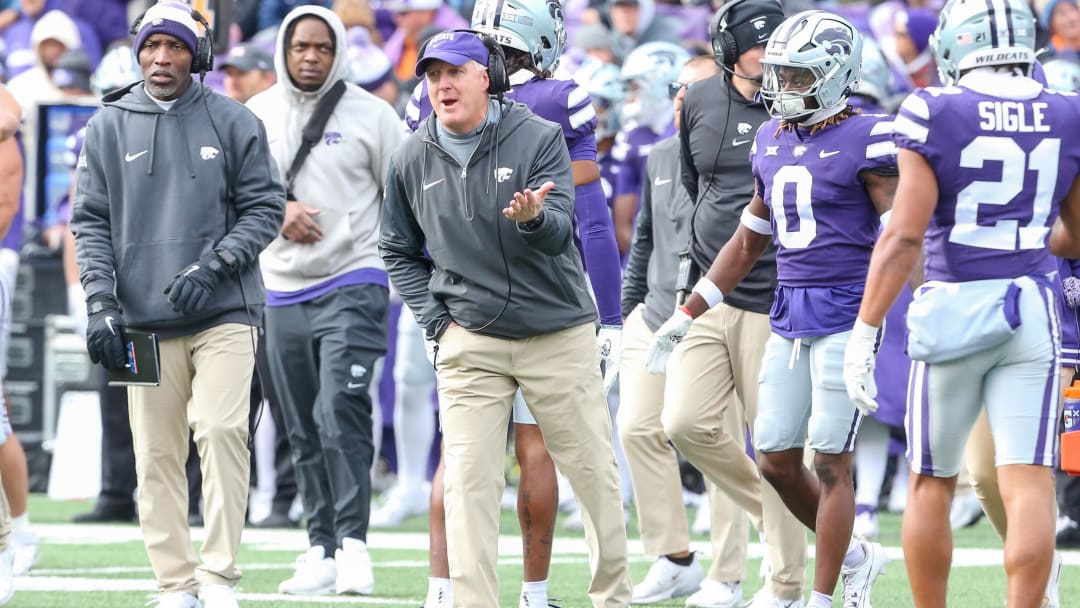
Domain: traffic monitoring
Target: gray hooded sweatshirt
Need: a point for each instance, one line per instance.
(157, 190)
(484, 271)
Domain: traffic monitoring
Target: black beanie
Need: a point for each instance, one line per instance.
(751, 22)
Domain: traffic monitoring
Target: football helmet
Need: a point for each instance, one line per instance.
(978, 33)
(601, 81)
(535, 27)
(118, 68)
(813, 57)
(646, 74)
(875, 79)
(1062, 75)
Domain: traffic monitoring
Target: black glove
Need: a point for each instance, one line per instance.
(103, 340)
(191, 288)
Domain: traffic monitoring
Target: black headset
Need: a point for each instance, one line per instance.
(498, 78)
(202, 60)
(725, 48)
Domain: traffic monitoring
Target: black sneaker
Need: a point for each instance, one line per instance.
(105, 512)
(1068, 537)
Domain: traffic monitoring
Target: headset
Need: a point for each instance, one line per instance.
(724, 46)
(202, 60)
(498, 78)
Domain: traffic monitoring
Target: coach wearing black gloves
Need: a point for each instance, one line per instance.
(177, 196)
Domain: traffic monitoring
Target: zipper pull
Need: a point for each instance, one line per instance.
(463, 172)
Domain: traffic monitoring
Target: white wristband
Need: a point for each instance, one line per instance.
(708, 292)
(755, 223)
(864, 330)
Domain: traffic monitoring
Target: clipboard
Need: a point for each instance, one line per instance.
(143, 360)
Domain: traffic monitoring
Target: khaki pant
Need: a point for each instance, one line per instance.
(559, 376)
(654, 467)
(714, 369)
(205, 387)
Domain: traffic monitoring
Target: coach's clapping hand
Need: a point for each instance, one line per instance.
(103, 341)
(300, 224)
(191, 288)
(527, 205)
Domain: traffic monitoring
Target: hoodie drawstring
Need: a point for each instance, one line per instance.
(187, 155)
(153, 140)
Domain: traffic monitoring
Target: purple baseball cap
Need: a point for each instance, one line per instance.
(456, 48)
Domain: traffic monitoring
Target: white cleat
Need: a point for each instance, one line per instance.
(764, 599)
(965, 511)
(7, 584)
(866, 525)
(666, 580)
(714, 594)
(354, 573)
(400, 505)
(175, 599)
(858, 581)
(27, 552)
(218, 596)
(315, 574)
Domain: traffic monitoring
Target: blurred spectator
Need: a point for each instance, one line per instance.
(1061, 18)
(271, 12)
(635, 22)
(249, 70)
(118, 68)
(356, 13)
(911, 36)
(693, 20)
(9, 13)
(53, 35)
(22, 50)
(412, 17)
(370, 68)
(593, 40)
(72, 74)
(246, 17)
(108, 18)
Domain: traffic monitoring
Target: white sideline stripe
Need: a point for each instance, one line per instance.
(44, 583)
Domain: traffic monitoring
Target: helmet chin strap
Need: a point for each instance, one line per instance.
(820, 115)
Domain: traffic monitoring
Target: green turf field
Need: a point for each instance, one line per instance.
(106, 566)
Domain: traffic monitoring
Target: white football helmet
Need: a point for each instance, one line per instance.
(811, 66)
(535, 27)
(601, 81)
(646, 73)
(978, 33)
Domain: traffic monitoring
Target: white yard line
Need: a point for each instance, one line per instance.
(509, 545)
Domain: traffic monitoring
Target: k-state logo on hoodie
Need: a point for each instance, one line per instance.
(332, 137)
(208, 152)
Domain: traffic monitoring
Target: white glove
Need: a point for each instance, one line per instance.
(860, 358)
(667, 337)
(609, 342)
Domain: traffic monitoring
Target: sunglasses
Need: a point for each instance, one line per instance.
(673, 88)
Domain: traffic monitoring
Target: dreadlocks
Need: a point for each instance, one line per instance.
(520, 60)
(835, 119)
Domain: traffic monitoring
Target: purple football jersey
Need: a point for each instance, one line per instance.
(1070, 321)
(630, 152)
(824, 223)
(562, 102)
(1003, 162)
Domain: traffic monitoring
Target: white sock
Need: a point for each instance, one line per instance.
(439, 593)
(856, 553)
(21, 523)
(819, 600)
(536, 591)
(871, 456)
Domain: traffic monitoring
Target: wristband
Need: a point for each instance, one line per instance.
(755, 223)
(708, 292)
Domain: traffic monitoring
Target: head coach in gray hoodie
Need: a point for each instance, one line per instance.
(176, 197)
(485, 186)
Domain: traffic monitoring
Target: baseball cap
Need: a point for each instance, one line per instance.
(404, 6)
(456, 48)
(72, 71)
(246, 57)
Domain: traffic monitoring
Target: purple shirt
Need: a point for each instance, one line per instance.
(824, 223)
(360, 276)
(993, 217)
(630, 152)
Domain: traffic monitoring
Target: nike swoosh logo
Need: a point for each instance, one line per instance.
(434, 183)
(354, 384)
(736, 142)
(661, 182)
(130, 157)
(824, 154)
(108, 323)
